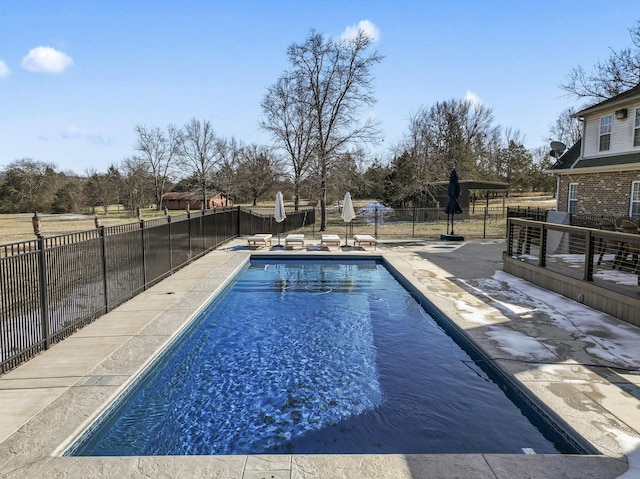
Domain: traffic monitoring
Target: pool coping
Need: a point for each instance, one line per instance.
(102, 358)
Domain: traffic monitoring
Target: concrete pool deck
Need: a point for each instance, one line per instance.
(50, 399)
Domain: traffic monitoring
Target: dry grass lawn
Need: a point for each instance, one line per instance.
(18, 227)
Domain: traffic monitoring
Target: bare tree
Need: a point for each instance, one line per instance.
(200, 153)
(159, 151)
(336, 76)
(450, 134)
(258, 172)
(291, 123)
(566, 129)
(28, 186)
(137, 184)
(229, 158)
(608, 78)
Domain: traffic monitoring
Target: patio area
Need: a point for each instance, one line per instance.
(575, 363)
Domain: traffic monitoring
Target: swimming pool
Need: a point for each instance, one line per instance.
(316, 357)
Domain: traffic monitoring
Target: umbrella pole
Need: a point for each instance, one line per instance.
(346, 233)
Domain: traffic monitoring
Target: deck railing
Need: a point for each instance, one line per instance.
(605, 259)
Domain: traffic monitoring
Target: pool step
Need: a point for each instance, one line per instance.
(303, 286)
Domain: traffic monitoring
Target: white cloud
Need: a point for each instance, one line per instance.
(74, 132)
(4, 70)
(46, 59)
(366, 26)
(473, 98)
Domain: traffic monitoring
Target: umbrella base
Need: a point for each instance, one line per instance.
(451, 237)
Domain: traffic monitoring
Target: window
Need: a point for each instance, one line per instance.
(605, 132)
(636, 129)
(634, 209)
(572, 204)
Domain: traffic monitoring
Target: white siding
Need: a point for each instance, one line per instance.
(591, 137)
(621, 133)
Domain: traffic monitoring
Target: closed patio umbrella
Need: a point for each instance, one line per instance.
(453, 206)
(347, 214)
(279, 213)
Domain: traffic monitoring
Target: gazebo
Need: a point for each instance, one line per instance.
(468, 190)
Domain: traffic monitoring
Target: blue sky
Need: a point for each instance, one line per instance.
(77, 76)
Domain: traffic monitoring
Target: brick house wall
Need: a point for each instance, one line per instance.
(599, 194)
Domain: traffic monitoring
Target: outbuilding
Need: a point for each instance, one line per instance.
(189, 200)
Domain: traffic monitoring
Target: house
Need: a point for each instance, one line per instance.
(600, 175)
(189, 200)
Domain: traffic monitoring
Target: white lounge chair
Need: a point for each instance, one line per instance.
(264, 238)
(368, 239)
(294, 238)
(330, 239)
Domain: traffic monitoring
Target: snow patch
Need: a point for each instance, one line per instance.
(604, 336)
(631, 446)
(520, 345)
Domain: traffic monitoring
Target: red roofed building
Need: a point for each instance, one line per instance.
(188, 200)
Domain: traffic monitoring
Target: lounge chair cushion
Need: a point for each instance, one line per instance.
(330, 239)
(294, 238)
(263, 238)
(370, 240)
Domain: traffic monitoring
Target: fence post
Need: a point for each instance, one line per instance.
(588, 263)
(189, 254)
(542, 260)
(44, 297)
(103, 254)
(170, 244)
(508, 216)
(484, 225)
(144, 257)
(202, 230)
(238, 223)
(413, 223)
(376, 222)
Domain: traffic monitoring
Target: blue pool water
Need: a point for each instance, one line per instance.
(315, 357)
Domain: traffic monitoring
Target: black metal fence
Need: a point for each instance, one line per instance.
(537, 214)
(52, 286)
(409, 223)
(261, 220)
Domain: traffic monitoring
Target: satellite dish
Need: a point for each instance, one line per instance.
(552, 153)
(558, 147)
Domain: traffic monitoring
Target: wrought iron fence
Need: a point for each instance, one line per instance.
(260, 220)
(412, 223)
(52, 286)
(537, 214)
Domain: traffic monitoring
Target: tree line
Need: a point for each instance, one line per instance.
(317, 113)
